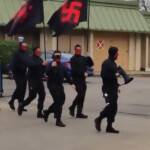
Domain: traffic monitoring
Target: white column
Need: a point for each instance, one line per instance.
(54, 42)
(138, 52)
(91, 46)
(132, 51)
(42, 40)
(147, 53)
(83, 45)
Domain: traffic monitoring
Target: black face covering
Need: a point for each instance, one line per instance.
(112, 51)
(56, 57)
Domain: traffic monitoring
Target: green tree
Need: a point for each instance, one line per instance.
(7, 48)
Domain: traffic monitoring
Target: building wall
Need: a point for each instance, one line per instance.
(67, 41)
(149, 53)
(147, 68)
(2, 36)
(132, 51)
(131, 46)
(138, 52)
(143, 52)
(47, 42)
(32, 39)
(120, 40)
(64, 43)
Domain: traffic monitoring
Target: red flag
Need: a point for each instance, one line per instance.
(26, 18)
(68, 16)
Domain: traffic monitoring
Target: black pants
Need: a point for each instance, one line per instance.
(58, 95)
(81, 91)
(20, 90)
(36, 86)
(110, 109)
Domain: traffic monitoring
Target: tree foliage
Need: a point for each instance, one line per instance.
(7, 48)
(144, 5)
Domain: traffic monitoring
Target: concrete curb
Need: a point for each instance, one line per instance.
(96, 74)
(132, 73)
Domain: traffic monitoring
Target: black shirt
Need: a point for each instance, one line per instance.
(19, 62)
(35, 70)
(57, 74)
(78, 66)
(108, 74)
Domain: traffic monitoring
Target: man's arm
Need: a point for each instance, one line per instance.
(67, 76)
(52, 67)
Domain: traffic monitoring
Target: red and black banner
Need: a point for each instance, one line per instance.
(68, 16)
(26, 18)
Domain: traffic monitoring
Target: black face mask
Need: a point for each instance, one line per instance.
(56, 57)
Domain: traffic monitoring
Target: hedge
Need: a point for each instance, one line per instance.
(7, 48)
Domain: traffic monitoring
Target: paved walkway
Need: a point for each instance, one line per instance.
(29, 133)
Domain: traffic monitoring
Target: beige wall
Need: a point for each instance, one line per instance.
(32, 39)
(76, 39)
(67, 41)
(120, 40)
(48, 40)
(136, 54)
(64, 43)
(134, 49)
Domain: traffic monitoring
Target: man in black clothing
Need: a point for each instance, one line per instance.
(36, 86)
(56, 73)
(19, 64)
(78, 71)
(110, 91)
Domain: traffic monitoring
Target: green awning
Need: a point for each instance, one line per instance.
(106, 17)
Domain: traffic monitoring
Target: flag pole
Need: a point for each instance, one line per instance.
(57, 42)
(44, 32)
(88, 25)
(44, 39)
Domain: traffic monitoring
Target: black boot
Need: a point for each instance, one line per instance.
(80, 115)
(11, 104)
(71, 111)
(59, 123)
(98, 124)
(110, 129)
(39, 114)
(20, 109)
(24, 109)
(45, 115)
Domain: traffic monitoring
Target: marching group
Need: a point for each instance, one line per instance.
(31, 68)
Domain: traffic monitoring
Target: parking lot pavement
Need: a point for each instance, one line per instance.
(29, 133)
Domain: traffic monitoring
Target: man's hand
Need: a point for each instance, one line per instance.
(54, 64)
(44, 63)
(117, 74)
(85, 74)
(45, 75)
(73, 86)
(119, 90)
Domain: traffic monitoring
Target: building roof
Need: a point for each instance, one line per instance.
(104, 15)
